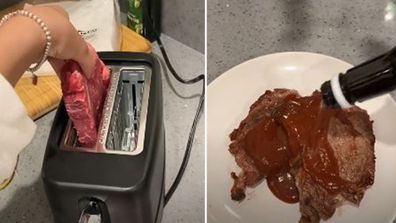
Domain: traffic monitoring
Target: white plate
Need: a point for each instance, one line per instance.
(229, 98)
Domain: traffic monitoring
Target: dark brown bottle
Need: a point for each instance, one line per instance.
(367, 80)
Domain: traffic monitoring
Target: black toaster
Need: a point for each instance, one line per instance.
(123, 181)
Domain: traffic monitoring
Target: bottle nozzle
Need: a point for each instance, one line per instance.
(333, 95)
(327, 95)
(367, 80)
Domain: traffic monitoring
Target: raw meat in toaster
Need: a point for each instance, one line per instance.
(84, 98)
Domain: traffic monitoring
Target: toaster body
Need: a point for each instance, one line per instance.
(123, 181)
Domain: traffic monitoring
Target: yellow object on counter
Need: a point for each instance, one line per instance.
(7, 181)
(133, 42)
(46, 95)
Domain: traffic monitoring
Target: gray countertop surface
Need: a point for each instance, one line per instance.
(24, 200)
(353, 31)
(184, 20)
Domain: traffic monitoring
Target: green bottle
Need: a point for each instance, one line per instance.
(135, 16)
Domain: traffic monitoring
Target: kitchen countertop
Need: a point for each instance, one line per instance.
(352, 31)
(24, 200)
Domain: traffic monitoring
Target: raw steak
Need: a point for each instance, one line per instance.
(84, 98)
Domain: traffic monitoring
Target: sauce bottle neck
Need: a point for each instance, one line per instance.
(367, 80)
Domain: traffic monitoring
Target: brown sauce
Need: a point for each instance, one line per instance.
(297, 130)
(283, 186)
(267, 145)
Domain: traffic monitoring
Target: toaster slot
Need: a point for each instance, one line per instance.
(123, 123)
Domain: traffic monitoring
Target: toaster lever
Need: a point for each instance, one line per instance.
(90, 219)
(86, 217)
(94, 211)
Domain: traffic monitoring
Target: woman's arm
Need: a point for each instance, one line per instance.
(22, 43)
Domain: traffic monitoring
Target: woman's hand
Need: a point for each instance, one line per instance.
(67, 42)
(22, 43)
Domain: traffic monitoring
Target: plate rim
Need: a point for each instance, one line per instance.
(224, 74)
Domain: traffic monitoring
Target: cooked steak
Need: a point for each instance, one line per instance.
(352, 143)
(84, 98)
(308, 153)
(264, 107)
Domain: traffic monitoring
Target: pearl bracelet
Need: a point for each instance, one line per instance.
(47, 33)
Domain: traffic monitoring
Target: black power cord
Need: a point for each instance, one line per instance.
(198, 113)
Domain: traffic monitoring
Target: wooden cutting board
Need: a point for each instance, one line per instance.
(41, 98)
(45, 96)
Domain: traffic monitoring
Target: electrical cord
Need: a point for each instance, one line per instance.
(198, 113)
(172, 70)
(187, 152)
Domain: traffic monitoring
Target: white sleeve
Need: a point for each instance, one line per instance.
(16, 128)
